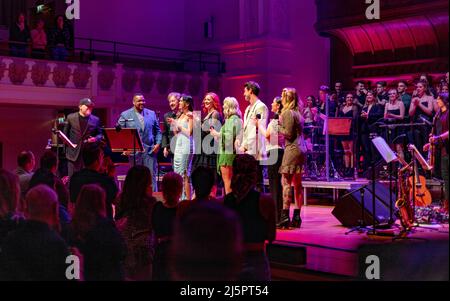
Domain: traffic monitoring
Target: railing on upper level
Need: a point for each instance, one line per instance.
(119, 52)
(136, 55)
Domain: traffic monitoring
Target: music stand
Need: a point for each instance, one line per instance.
(124, 140)
(388, 156)
(339, 126)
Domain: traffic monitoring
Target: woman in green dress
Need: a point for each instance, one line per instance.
(227, 137)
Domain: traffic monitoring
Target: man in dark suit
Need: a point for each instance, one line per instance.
(168, 134)
(81, 128)
(147, 123)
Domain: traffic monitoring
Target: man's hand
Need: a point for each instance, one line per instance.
(155, 149)
(426, 147)
(127, 153)
(91, 140)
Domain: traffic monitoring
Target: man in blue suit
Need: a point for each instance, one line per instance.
(147, 123)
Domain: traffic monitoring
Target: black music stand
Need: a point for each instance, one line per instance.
(124, 140)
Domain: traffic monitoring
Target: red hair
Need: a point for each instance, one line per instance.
(216, 103)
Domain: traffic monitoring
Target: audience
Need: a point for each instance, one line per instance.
(207, 244)
(97, 237)
(19, 37)
(163, 218)
(92, 156)
(25, 167)
(134, 221)
(60, 40)
(46, 174)
(382, 93)
(39, 40)
(9, 200)
(257, 213)
(203, 181)
(35, 251)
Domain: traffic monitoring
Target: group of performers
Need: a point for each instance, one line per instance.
(276, 142)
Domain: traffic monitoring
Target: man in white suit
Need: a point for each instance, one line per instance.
(256, 115)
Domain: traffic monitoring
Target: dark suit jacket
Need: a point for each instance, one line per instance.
(73, 132)
(150, 133)
(167, 134)
(368, 125)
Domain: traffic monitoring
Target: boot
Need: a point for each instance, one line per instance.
(284, 221)
(296, 219)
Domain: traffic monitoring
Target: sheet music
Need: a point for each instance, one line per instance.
(384, 150)
(65, 139)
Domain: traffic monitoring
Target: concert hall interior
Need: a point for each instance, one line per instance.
(237, 140)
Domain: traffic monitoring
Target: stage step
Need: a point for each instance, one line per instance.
(286, 254)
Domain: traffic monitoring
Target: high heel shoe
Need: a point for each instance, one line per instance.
(284, 220)
(296, 219)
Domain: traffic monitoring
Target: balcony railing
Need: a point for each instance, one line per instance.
(136, 55)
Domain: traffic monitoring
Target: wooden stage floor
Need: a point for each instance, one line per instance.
(330, 250)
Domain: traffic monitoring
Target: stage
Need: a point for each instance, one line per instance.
(330, 253)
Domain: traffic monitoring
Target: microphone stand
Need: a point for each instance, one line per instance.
(119, 128)
(361, 223)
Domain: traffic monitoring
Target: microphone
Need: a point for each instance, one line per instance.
(258, 116)
(276, 116)
(118, 126)
(421, 117)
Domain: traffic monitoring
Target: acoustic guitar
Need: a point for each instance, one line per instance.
(422, 196)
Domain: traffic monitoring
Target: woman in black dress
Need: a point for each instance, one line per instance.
(206, 152)
(394, 112)
(348, 110)
(371, 113)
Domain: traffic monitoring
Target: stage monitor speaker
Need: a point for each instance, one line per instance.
(348, 209)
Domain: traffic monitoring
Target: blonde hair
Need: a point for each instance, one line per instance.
(231, 107)
(290, 98)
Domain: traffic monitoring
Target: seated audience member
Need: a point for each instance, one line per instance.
(93, 158)
(9, 200)
(36, 252)
(97, 237)
(135, 223)
(25, 166)
(46, 174)
(163, 218)
(207, 244)
(19, 36)
(257, 214)
(60, 40)
(203, 181)
(39, 40)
